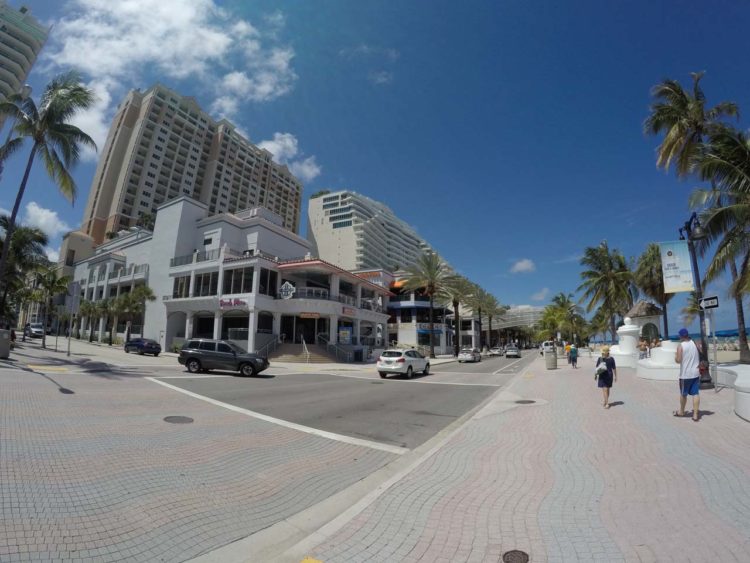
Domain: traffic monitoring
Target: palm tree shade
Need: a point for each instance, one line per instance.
(54, 139)
(456, 290)
(430, 275)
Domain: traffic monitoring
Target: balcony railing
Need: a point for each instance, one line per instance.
(181, 260)
(207, 255)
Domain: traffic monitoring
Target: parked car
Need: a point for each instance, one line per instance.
(547, 346)
(142, 346)
(34, 330)
(202, 354)
(469, 355)
(403, 362)
(512, 352)
(496, 351)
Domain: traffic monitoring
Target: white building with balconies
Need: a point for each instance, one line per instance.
(240, 277)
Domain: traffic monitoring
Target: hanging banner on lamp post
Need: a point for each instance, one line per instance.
(676, 268)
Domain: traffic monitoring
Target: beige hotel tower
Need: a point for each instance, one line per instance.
(161, 146)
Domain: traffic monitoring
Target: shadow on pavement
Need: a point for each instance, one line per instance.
(617, 404)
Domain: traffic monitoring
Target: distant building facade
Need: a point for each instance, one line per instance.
(358, 233)
(161, 146)
(21, 39)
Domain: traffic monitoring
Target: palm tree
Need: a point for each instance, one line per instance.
(691, 309)
(50, 285)
(683, 118)
(477, 302)
(607, 283)
(457, 290)
(430, 275)
(649, 278)
(493, 309)
(26, 254)
(134, 304)
(88, 309)
(54, 139)
(104, 310)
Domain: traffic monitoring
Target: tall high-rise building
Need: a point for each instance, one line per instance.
(21, 39)
(356, 233)
(162, 145)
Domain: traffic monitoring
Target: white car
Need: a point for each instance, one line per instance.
(469, 355)
(496, 351)
(547, 347)
(402, 362)
(35, 330)
(512, 352)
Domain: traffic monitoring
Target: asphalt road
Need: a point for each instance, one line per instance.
(392, 411)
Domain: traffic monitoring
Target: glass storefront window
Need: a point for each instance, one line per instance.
(181, 287)
(239, 280)
(206, 284)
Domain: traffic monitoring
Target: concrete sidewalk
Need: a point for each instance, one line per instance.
(563, 479)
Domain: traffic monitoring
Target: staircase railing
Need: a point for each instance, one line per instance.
(269, 348)
(341, 354)
(305, 351)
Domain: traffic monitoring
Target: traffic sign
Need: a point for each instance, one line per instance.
(709, 303)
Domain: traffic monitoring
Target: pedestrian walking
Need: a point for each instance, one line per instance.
(606, 377)
(688, 356)
(573, 356)
(567, 352)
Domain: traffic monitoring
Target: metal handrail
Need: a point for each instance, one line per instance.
(305, 350)
(269, 348)
(334, 348)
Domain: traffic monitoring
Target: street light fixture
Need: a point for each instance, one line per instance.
(693, 231)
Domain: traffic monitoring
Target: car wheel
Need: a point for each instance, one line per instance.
(156, 354)
(383, 374)
(247, 370)
(409, 373)
(426, 369)
(127, 350)
(193, 365)
(140, 352)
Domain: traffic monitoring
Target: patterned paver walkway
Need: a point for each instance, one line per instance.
(566, 480)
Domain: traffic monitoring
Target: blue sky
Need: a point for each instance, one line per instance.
(509, 133)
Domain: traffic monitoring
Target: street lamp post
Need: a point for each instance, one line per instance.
(693, 231)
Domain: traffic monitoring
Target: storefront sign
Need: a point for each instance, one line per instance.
(348, 311)
(232, 303)
(286, 291)
(309, 315)
(676, 267)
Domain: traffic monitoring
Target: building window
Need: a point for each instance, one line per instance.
(342, 224)
(238, 281)
(268, 279)
(207, 241)
(181, 287)
(206, 284)
(406, 316)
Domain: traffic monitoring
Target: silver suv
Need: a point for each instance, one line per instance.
(201, 354)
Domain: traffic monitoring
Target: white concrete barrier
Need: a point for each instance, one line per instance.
(737, 376)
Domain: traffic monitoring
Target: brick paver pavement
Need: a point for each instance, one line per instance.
(97, 475)
(566, 480)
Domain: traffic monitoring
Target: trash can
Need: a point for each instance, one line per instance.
(4, 344)
(550, 359)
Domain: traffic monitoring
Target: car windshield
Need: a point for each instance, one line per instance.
(467, 351)
(36, 325)
(391, 354)
(148, 341)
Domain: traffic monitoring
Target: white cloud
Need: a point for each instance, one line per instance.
(522, 266)
(307, 169)
(113, 43)
(285, 149)
(44, 219)
(52, 254)
(380, 77)
(540, 295)
(364, 50)
(569, 259)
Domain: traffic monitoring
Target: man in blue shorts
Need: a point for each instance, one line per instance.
(689, 359)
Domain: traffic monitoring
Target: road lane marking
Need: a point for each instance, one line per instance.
(42, 367)
(307, 429)
(506, 367)
(420, 380)
(191, 376)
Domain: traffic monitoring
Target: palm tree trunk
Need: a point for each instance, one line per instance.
(613, 328)
(666, 324)
(91, 328)
(12, 221)
(112, 327)
(432, 334)
(744, 350)
(457, 331)
(489, 332)
(44, 326)
(127, 330)
(480, 329)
